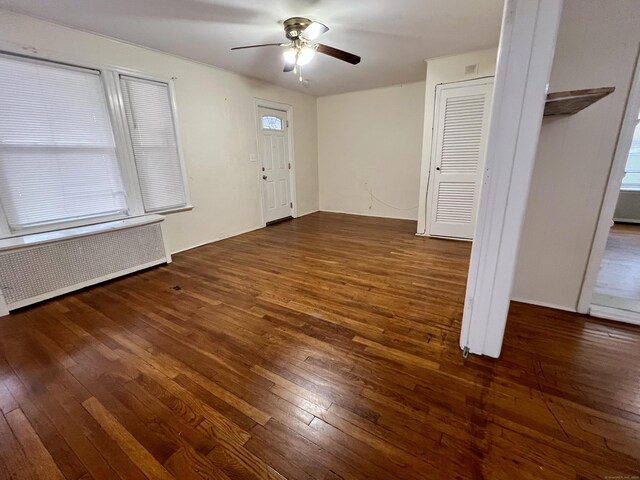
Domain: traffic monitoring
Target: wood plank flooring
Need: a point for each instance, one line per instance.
(321, 348)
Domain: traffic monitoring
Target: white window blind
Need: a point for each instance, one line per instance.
(57, 152)
(153, 138)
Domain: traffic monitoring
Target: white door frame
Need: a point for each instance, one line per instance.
(527, 46)
(434, 148)
(288, 109)
(612, 192)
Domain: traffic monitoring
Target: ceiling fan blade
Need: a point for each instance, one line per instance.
(288, 67)
(314, 30)
(261, 45)
(339, 54)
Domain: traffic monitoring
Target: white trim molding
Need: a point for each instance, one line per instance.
(34, 239)
(612, 313)
(543, 304)
(625, 220)
(525, 55)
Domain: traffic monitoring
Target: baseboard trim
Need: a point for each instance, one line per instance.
(626, 220)
(307, 213)
(610, 313)
(249, 230)
(367, 215)
(544, 304)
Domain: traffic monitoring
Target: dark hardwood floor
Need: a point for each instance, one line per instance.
(324, 347)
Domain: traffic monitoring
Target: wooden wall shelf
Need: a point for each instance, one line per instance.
(572, 101)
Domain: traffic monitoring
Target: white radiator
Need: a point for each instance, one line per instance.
(40, 266)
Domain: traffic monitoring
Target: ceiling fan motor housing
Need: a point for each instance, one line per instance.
(293, 27)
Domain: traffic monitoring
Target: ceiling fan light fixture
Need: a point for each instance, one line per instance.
(290, 55)
(306, 55)
(301, 33)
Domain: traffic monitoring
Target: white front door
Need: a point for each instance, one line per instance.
(273, 147)
(459, 143)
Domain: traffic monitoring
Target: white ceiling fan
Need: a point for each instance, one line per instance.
(301, 33)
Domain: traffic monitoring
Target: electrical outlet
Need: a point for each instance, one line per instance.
(253, 157)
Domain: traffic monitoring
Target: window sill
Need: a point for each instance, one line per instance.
(630, 189)
(186, 208)
(63, 225)
(30, 240)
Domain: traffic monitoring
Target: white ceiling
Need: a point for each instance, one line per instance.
(392, 37)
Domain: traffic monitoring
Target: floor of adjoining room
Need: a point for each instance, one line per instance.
(325, 347)
(618, 281)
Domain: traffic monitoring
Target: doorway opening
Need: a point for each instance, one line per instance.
(611, 287)
(617, 290)
(275, 154)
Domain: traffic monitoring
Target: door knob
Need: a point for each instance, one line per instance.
(264, 177)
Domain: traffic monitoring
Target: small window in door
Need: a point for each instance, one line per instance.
(270, 122)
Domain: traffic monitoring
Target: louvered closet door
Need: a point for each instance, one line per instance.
(460, 131)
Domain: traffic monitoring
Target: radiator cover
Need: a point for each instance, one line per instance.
(29, 274)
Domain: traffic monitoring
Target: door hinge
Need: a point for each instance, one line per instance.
(287, 123)
(289, 166)
(291, 204)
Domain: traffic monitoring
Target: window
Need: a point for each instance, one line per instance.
(61, 163)
(631, 180)
(148, 109)
(271, 123)
(57, 152)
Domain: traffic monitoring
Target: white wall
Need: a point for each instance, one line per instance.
(446, 70)
(217, 123)
(369, 149)
(597, 46)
